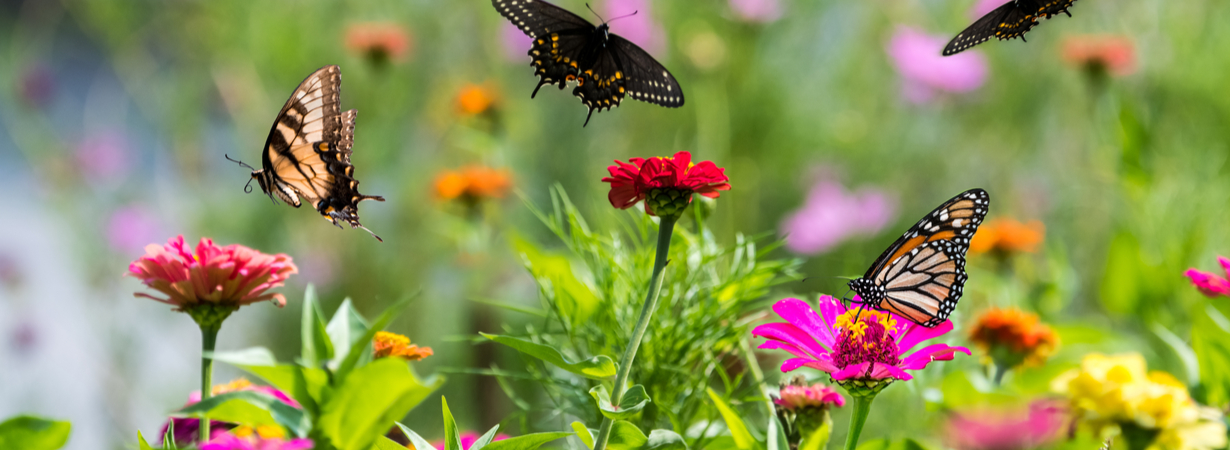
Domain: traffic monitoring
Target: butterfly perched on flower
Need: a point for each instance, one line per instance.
(605, 67)
(307, 153)
(921, 276)
(1009, 21)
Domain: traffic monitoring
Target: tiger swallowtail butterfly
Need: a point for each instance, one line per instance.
(921, 276)
(605, 67)
(307, 153)
(1009, 21)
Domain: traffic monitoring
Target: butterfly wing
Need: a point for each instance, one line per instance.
(922, 275)
(647, 79)
(307, 153)
(559, 38)
(1005, 22)
(1054, 7)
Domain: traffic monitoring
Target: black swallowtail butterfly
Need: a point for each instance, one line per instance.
(1009, 21)
(606, 67)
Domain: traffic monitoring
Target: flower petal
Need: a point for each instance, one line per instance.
(914, 334)
(802, 315)
(935, 352)
(792, 335)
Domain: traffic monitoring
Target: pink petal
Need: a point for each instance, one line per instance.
(792, 335)
(801, 315)
(824, 364)
(915, 334)
(779, 345)
(882, 371)
(935, 352)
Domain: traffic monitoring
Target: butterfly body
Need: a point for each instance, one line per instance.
(307, 153)
(1009, 21)
(605, 67)
(922, 275)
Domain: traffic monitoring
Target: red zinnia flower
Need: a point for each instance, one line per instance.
(379, 42)
(1108, 54)
(666, 183)
(226, 277)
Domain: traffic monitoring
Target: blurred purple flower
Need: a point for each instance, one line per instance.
(831, 215)
(131, 227)
(640, 28)
(10, 271)
(1027, 428)
(985, 6)
(317, 267)
(924, 72)
(758, 11)
(227, 441)
(36, 85)
(103, 156)
(515, 43)
(24, 338)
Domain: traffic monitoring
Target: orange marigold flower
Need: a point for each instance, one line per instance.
(1111, 54)
(473, 183)
(1012, 337)
(379, 42)
(1008, 236)
(475, 99)
(387, 344)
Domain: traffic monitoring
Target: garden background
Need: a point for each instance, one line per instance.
(836, 121)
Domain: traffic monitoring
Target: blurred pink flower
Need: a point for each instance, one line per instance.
(130, 227)
(850, 344)
(227, 441)
(831, 215)
(641, 29)
(985, 6)
(1021, 429)
(230, 276)
(467, 439)
(515, 43)
(816, 395)
(1209, 284)
(103, 156)
(926, 73)
(758, 11)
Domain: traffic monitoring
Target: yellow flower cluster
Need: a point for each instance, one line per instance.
(1117, 392)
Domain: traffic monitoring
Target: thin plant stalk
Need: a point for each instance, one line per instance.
(666, 226)
(862, 408)
(209, 337)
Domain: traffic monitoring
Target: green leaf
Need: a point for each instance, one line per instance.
(360, 346)
(598, 367)
(665, 440)
(316, 346)
(415, 439)
(168, 438)
(253, 356)
(251, 408)
(555, 278)
(587, 438)
(630, 404)
(1211, 342)
(345, 329)
(818, 439)
(893, 444)
(528, 441)
(452, 437)
(1185, 354)
(776, 436)
(485, 439)
(140, 442)
(371, 399)
(304, 384)
(34, 433)
(738, 429)
(384, 443)
(625, 436)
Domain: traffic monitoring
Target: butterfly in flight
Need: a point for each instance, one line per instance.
(1012, 20)
(567, 48)
(921, 276)
(307, 153)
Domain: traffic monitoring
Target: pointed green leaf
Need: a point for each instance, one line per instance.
(597, 367)
(575, 299)
(371, 399)
(34, 433)
(626, 436)
(252, 356)
(168, 438)
(345, 329)
(415, 439)
(738, 429)
(818, 439)
(316, 346)
(143, 445)
(526, 442)
(777, 435)
(384, 443)
(665, 440)
(251, 408)
(632, 402)
(452, 437)
(485, 439)
(587, 438)
(360, 346)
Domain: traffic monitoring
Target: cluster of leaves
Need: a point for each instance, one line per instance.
(452, 437)
(349, 400)
(591, 297)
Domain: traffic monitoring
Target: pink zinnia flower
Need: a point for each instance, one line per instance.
(872, 347)
(985, 6)
(925, 73)
(1033, 427)
(1101, 54)
(814, 396)
(103, 156)
(666, 183)
(830, 215)
(757, 11)
(229, 441)
(640, 28)
(187, 428)
(1209, 284)
(467, 440)
(230, 276)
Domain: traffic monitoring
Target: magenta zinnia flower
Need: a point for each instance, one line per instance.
(1033, 427)
(925, 73)
(230, 276)
(1209, 284)
(187, 429)
(229, 441)
(872, 347)
(467, 439)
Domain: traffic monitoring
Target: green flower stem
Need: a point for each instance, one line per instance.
(862, 407)
(666, 227)
(1000, 369)
(209, 337)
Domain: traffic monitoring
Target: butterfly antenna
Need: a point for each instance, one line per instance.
(624, 16)
(228, 157)
(370, 232)
(247, 188)
(595, 13)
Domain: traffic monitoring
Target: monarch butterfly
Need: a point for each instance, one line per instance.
(606, 67)
(1009, 21)
(307, 153)
(921, 276)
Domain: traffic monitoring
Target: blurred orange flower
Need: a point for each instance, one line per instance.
(1112, 54)
(475, 99)
(473, 183)
(1008, 235)
(1013, 337)
(379, 41)
(387, 344)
